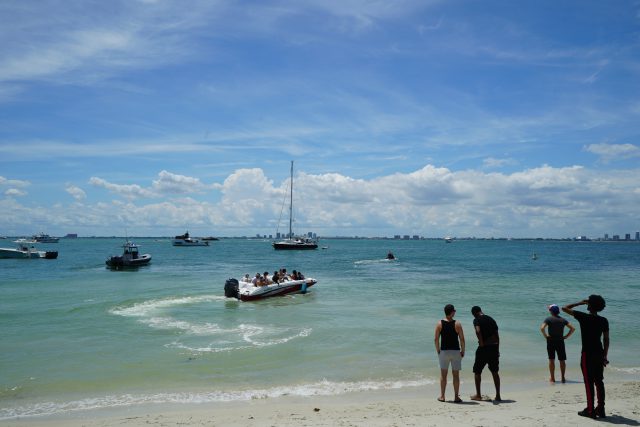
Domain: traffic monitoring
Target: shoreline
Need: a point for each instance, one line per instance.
(522, 405)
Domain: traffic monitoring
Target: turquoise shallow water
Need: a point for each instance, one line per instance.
(76, 336)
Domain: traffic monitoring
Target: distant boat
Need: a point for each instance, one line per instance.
(185, 240)
(534, 256)
(44, 238)
(294, 242)
(448, 239)
(26, 249)
(391, 256)
(209, 238)
(130, 257)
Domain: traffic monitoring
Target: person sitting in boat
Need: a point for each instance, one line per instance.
(283, 275)
(256, 279)
(246, 278)
(265, 278)
(276, 277)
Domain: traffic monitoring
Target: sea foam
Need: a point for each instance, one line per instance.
(321, 388)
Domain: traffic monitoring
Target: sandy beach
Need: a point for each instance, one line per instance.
(543, 405)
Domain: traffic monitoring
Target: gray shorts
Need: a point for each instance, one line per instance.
(450, 356)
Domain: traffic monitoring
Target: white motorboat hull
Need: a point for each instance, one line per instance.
(248, 292)
(7, 253)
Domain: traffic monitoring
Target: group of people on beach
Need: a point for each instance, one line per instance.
(594, 329)
(278, 276)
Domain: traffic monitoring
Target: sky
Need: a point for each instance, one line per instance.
(435, 118)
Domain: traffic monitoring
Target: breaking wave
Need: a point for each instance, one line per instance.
(322, 388)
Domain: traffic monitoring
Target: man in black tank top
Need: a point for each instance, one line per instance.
(449, 341)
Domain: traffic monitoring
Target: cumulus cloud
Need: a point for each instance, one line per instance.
(129, 191)
(613, 152)
(431, 201)
(170, 183)
(14, 192)
(167, 184)
(76, 192)
(493, 163)
(13, 182)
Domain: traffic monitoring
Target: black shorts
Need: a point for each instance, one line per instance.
(556, 346)
(487, 355)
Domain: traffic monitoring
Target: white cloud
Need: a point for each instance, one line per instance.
(76, 192)
(14, 192)
(170, 183)
(493, 163)
(431, 201)
(167, 184)
(130, 191)
(14, 182)
(613, 152)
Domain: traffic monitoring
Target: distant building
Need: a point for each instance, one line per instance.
(71, 236)
(416, 237)
(606, 236)
(637, 235)
(627, 236)
(397, 236)
(406, 237)
(616, 237)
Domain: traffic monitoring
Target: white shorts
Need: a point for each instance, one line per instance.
(450, 356)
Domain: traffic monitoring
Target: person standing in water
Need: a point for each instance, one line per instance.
(553, 330)
(449, 341)
(594, 352)
(488, 352)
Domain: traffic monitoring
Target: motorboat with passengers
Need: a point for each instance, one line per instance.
(246, 291)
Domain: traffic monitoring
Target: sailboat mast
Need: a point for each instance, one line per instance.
(291, 205)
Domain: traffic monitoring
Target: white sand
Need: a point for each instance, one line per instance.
(540, 405)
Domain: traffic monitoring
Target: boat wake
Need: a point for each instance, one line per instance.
(206, 337)
(321, 388)
(374, 261)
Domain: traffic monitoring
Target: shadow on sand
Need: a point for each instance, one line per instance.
(619, 420)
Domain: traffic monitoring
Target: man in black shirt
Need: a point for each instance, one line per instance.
(594, 352)
(488, 352)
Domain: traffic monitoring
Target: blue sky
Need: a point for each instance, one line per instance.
(460, 118)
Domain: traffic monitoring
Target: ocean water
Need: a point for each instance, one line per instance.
(76, 336)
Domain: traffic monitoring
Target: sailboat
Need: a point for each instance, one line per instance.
(294, 242)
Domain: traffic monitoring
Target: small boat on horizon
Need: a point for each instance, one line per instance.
(26, 249)
(448, 239)
(185, 240)
(44, 238)
(247, 291)
(130, 258)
